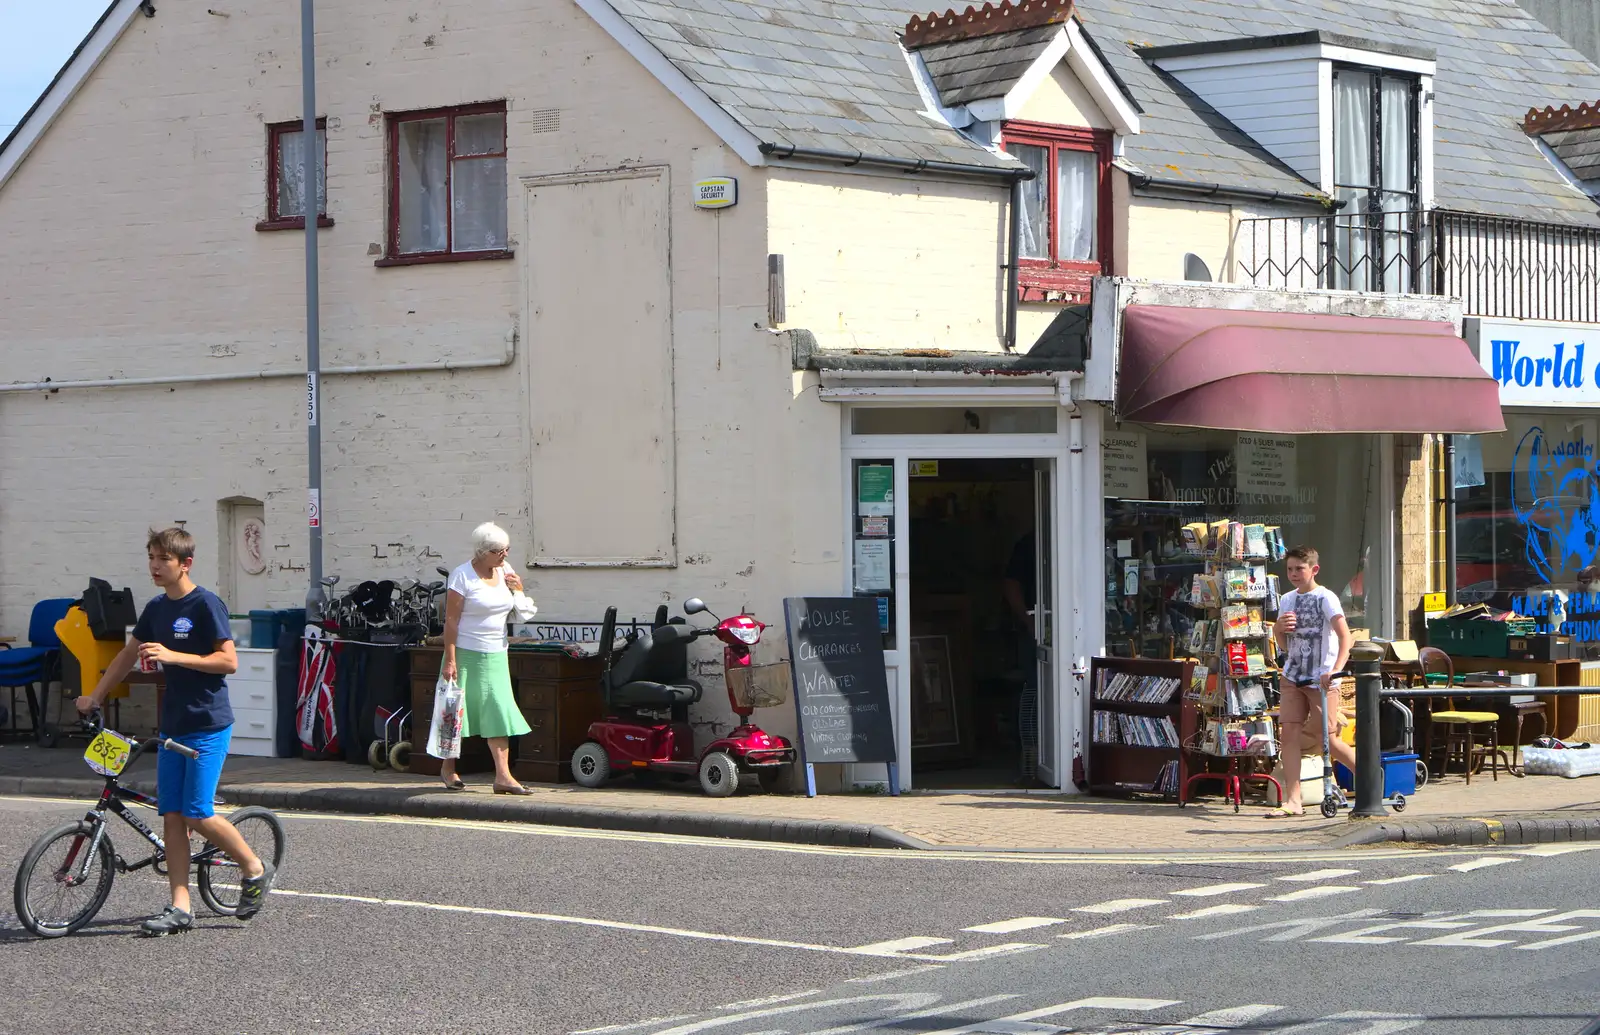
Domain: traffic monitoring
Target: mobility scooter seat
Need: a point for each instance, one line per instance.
(645, 694)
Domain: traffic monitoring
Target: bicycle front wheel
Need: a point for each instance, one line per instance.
(58, 890)
(218, 876)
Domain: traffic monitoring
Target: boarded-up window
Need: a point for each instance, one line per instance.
(599, 350)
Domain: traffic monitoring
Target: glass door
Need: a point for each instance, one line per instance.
(1044, 704)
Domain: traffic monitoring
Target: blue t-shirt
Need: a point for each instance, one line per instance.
(194, 702)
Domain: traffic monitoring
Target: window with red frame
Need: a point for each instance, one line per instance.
(286, 181)
(1066, 208)
(447, 185)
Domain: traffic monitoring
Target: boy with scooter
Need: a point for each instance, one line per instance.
(186, 631)
(1312, 629)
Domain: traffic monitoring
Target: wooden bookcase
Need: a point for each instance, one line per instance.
(1130, 768)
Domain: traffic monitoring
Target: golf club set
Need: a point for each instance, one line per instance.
(385, 611)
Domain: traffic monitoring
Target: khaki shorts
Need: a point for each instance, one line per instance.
(1295, 703)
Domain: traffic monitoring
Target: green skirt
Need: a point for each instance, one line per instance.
(491, 708)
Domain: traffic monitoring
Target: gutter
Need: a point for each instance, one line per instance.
(48, 385)
(1014, 177)
(1219, 190)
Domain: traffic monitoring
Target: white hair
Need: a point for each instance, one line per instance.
(489, 538)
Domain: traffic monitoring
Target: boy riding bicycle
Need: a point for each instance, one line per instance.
(186, 631)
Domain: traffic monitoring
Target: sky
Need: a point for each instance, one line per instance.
(36, 38)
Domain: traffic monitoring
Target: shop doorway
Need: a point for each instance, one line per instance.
(981, 706)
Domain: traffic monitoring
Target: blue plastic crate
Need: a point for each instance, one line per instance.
(1399, 775)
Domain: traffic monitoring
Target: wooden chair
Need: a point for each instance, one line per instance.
(1474, 736)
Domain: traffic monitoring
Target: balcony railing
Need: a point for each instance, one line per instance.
(1498, 267)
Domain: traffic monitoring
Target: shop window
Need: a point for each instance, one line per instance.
(1066, 210)
(286, 182)
(1321, 491)
(1527, 525)
(447, 186)
(1375, 172)
(954, 420)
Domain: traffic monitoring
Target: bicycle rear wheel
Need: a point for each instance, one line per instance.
(51, 899)
(218, 876)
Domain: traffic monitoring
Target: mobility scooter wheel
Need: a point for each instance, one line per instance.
(591, 766)
(400, 756)
(773, 778)
(377, 758)
(719, 774)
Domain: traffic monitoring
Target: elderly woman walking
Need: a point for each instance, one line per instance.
(480, 598)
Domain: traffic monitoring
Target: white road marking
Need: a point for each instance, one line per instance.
(1323, 891)
(1021, 923)
(1382, 1023)
(979, 954)
(899, 1019)
(1121, 905)
(1101, 932)
(1289, 930)
(1478, 864)
(905, 1001)
(1234, 1016)
(1225, 909)
(771, 1000)
(1320, 875)
(1098, 1003)
(1408, 878)
(891, 975)
(618, 925)
(611, 1029)
(1546, 851)
(1217, 889)
(900, 945)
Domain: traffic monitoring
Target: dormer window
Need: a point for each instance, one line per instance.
(1376, 177)
(1065, 215)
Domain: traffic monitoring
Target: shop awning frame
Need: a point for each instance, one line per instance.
(1300, 373)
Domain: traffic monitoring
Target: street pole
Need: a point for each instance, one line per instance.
(1366, 662)
(312, 209)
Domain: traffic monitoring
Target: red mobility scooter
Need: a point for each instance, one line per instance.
(648, 693)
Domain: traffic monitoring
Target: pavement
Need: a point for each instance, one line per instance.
(1534, 809)
(401, 924)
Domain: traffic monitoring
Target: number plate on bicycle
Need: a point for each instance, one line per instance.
(108, 753)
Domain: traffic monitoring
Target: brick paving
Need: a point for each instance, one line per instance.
(1014, 821)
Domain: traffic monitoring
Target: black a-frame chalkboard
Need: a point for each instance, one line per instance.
(841, 692)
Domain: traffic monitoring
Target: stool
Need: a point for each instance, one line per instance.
(1232, 781)
(1525, 709)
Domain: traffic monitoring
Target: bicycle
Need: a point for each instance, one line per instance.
(89, 863)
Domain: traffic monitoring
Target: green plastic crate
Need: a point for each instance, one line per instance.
(1477, 637)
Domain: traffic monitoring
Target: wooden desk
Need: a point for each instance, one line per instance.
(1564, 714)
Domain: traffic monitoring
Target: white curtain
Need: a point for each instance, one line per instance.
(1394, 157)
(1035, 242)
(1352, 174)
(1076, 196)
(423, 201)
(291, 174)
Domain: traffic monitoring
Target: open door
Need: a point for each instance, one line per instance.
(1044, 628)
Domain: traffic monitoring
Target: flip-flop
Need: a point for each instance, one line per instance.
(1283, 813)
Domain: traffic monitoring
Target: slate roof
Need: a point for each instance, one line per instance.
(977, 69)
(1580, 149)
(813, 73)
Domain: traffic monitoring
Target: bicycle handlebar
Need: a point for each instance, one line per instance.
(95, 723)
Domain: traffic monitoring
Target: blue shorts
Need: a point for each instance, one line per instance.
(189, 785)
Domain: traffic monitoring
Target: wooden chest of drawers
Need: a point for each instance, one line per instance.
(559, 697)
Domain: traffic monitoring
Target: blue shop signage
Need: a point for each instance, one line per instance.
(1539, 364)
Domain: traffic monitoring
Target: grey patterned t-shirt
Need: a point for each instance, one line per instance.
(1313, 647)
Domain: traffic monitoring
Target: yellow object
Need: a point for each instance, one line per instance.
(108, 753)
(1433, 602)
(1468, 717)
(93, 656)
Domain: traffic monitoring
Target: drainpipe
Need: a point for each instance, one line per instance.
(1450, 520)
(1072, 502)
(440, 366)
(315, 595)
(1013, 250)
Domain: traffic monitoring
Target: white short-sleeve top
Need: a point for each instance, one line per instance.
(484, 608)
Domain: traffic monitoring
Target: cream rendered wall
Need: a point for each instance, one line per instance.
(884, 262)
(1061, 100)
(1160, 232)
(130, 251)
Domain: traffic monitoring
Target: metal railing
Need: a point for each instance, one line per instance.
(1498, 267)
